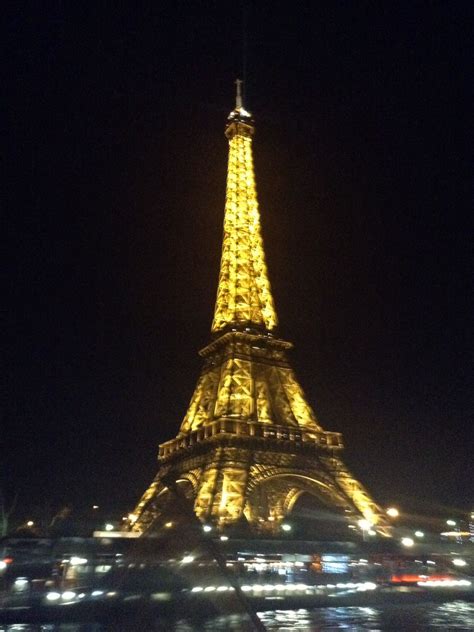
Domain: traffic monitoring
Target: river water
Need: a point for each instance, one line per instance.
(452, 615)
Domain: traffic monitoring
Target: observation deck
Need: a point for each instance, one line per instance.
(261, 435)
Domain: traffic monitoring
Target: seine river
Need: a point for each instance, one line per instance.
(453, 615)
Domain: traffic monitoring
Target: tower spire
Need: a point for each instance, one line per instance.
(244, 296)
(238, 97)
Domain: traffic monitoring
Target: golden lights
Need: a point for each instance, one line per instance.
(264, 443)
(244, 294)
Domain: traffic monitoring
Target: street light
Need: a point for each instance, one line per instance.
(30, 523)
(452, 523)
(419, 534)
(286, 527)
(408, 542)
(393, 512)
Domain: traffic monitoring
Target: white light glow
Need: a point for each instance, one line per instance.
(53, 596)
(408, 542)
(109, 527)
(459, 562)
(393, 512)
(68, 595)
(207, 528)
(449, 583)
(286, 527)
(20, 582)
(419, 534)
(77, 561)
(187, 559)
(161, 596)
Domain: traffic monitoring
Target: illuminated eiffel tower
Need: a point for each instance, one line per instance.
(250, 444)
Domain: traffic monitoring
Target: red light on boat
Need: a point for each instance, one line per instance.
(405, 579)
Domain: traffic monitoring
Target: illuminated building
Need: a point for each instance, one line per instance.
(250, 444)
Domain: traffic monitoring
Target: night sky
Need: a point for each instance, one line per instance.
(116, 161)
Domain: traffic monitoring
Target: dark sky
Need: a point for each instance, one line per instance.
(116, 162)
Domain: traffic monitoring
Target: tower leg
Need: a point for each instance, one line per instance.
(221, 493)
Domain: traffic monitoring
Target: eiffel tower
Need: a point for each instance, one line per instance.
(250, 444)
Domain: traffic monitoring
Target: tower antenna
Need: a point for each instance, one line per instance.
(244, 43)
(238, 96)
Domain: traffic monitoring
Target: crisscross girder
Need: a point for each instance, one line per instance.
(243, 295)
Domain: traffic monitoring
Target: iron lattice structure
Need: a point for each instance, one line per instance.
(249, 444)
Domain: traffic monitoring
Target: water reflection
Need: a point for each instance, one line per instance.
(460, 615)
(322, 619)
(457, 615)
(53, 627)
